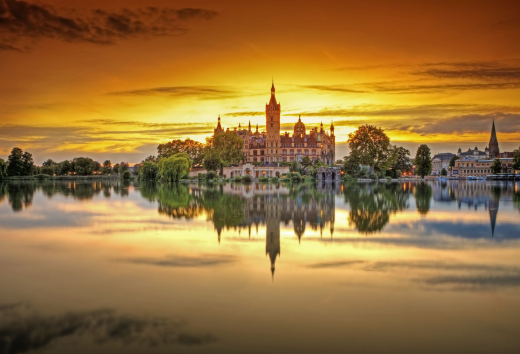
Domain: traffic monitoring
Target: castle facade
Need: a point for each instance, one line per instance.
(271, 146)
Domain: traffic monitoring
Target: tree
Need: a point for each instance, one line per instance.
(28, 163)
(452, 161)
(351, 164)
(15, 164)
(123, 166)
(150, 158)
(224, 148)
(47, 170)
(49, 163)
(149, 171)
(401, 161)
(175, 167)
(516, 159)
(211, 160)
(107, 167)
(3, 169)
(423, 161)
(83, 166)
(65, 167)
(194, 149)
(496, 167)
(444, 172)
(306, 161)
(371, 146)
(115, 168)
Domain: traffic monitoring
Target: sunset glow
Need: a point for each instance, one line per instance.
(435, 73)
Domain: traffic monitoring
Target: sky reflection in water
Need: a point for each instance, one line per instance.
(113, 267)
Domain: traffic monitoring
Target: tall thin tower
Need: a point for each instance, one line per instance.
(272, 123)
(493, 143)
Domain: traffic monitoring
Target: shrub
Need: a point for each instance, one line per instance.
(247, 179)
(263, 179)
(149, 171)
(47, 170)
(349, 179)
(41, 176)
(126, 175)
(373, 175)
(389, 179)
(211, 175)
(273, 179)
(238, 179)
(296, 177)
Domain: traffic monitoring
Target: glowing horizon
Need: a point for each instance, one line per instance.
(430, 73)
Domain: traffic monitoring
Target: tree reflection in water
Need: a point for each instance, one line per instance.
(372, 205)
(423, 196)
(21, 194)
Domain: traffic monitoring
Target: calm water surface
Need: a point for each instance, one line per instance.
(124, 268)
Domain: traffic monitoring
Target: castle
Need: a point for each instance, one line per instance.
(271, 146)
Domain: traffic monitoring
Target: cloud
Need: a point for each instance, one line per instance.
(184, 261)
(336, 264)
(245, 113)
(24, 333)
(334, 88)
(480, 70)
(4, 46)
(201, 92)
(36, 21)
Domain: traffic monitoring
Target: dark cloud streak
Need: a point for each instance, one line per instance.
(35, 21)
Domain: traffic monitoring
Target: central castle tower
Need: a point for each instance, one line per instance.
(272, 123)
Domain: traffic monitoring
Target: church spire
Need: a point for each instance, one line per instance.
(272, 88)
(493, 142)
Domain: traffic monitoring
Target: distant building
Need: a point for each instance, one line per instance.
(271, 146)
(479, 168)
(441, 161)
(489, 153)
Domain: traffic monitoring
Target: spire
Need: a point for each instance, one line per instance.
(299, 118)
(493, 142)
(250, 125)
(272, 88)
(272, 102)
(257, 127)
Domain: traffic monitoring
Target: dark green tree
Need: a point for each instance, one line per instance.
(351, 164)
(107, 167)
(123, 166)
(83, 166)
(306, 161)
(371, 146)
(3, 169)
(65, 167)
(452, 161)
(516, 159)
(15, 163)
(28, 163)
(401, 160)
(115, 168)
(444, 172)
(175, 167)
(423, 161)
(496, 167)
(149, 171)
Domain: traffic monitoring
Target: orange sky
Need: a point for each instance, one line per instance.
(111, 80)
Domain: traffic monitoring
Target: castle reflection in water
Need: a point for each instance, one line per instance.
(271, 205)
(241, 207)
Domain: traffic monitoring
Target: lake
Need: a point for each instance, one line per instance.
(109, 267)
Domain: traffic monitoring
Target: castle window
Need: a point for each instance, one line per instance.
(314, 152)
(292, 152)
(299, 152)
(306, 152)
(284, 152)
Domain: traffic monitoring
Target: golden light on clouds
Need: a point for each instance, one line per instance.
(435, 73)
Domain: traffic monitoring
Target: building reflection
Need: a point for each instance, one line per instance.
(274, 204)
(475, 195)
